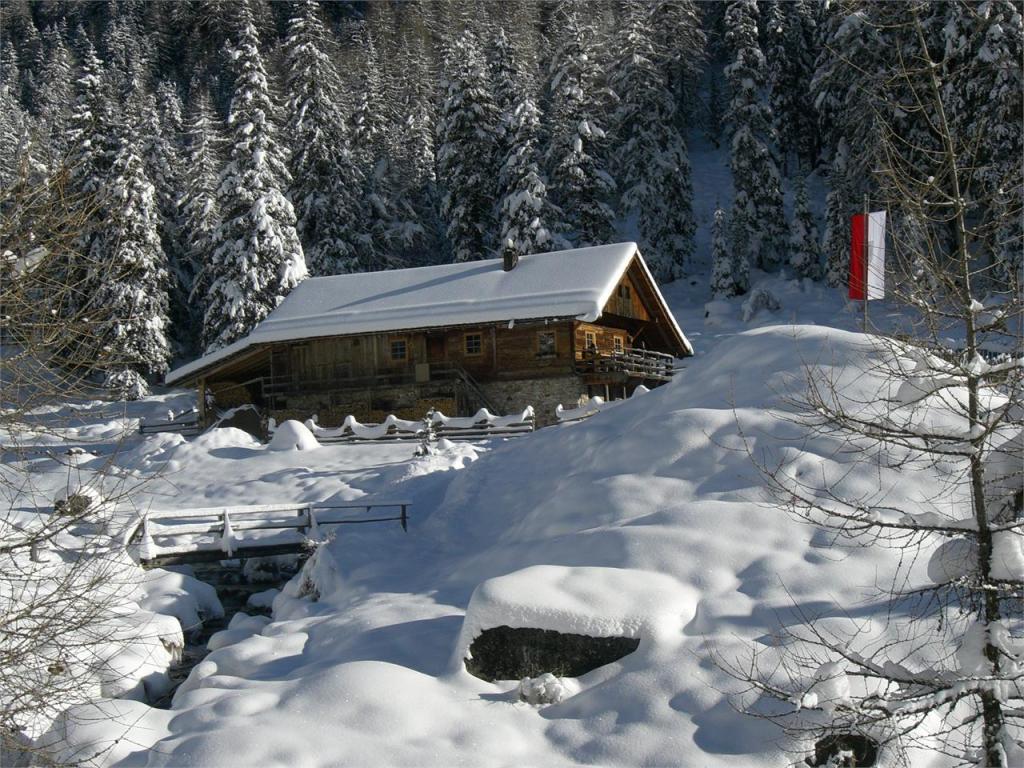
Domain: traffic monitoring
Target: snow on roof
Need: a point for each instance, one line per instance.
(575, 283)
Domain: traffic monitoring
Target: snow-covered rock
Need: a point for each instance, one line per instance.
(599, 602)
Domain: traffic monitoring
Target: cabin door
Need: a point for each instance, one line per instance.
(435, 348)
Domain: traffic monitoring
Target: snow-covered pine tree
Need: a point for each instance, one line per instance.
(92, 132)
(739, 244)
(852, 57)
(127, 54)
(128, 274)
(417, 233)
(372, 141)
(160, 154)
(466, 165)
(758, 204)
(198, 211)
(54, 92)
(984, 87)
(579, 184)
(15, 128)
(804, 250)
(680, 43)
(723, 271)
(524, 211)
(257, 257)
(791, 34)
(652, 163)
(838, 210)
(326, 182)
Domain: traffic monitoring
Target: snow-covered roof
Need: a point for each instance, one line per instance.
(563, 284)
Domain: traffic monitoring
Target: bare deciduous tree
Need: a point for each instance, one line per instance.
(947, 671)
(64, 577)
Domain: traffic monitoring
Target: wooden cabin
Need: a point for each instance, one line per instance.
(504, 333)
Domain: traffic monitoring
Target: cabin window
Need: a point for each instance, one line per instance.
(590, 340)
(474, 343)
(624, 292)
(398, 349)
(546, 344)
(618, 344)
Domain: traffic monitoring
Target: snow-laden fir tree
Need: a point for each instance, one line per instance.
(792, 34)
(804, 250)
(758, 204)
(726, 281)
(326, 182)
(55, 85)
(128, 274)
(579, 184)
(466, 165)
(15, 134)
(652, 162)
(525, 214)
(680, 42)
(839, 207)
(257, 257)
(417, 233)
(198, 213)
(984, 86)
(373, 144)
(92, 132)
(852, 59)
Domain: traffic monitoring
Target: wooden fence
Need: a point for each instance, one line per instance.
(167, 537)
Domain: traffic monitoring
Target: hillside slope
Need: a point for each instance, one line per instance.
(370, 673)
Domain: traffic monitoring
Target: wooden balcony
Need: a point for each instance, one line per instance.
(639, 364)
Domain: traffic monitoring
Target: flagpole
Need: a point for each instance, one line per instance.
(867, 258)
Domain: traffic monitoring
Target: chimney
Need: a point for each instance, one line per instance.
(509, 257)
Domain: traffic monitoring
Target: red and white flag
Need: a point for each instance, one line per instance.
(867, 256)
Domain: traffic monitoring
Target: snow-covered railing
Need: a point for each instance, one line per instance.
(185, 423)
(482, 424)
(635, 363)
(592, 406)
(213, 533)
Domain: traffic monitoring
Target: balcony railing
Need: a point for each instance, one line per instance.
(634, 363)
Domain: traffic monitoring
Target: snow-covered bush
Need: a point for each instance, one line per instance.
(760, 299)
(126, 385)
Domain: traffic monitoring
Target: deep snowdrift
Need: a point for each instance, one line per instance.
(370, 672)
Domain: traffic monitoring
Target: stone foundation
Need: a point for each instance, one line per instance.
(412, 401)
(543, 394)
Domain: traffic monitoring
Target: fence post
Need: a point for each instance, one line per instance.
(147, 548)
(227, 538)
(405, 520)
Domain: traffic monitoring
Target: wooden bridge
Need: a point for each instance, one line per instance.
(173, 537)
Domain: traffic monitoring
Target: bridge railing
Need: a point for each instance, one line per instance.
(164, 537)
(186, 423)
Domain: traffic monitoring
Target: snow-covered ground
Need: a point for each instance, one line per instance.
(363, 661)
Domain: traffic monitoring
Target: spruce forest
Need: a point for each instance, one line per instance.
(217, 152)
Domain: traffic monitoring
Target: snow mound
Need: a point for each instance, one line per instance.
(180, 595)
(293, 435)
(599, 602)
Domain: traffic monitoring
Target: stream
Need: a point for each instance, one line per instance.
(233, 588)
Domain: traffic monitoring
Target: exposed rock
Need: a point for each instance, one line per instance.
(504, 653)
